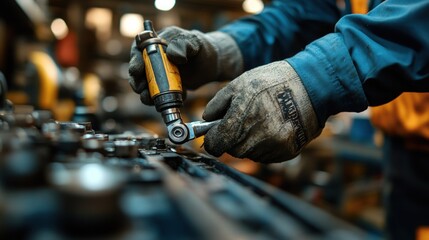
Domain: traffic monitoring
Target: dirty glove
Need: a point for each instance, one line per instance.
(267, 116)
(201, 58)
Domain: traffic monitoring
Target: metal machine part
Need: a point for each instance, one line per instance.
(59, 182)
(126, 148)
(170, 115)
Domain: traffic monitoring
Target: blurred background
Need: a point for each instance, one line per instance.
(88, 43)
(71, 57)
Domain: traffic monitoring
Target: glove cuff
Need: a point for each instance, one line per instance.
(330, 77)
(296, 106)
(230, 60)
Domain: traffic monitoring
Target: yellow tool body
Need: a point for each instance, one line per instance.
(165, 86)
(163, 80)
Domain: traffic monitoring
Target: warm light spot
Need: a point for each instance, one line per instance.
(253, 6)
(59, 28)
(165, 5)
(131, 24)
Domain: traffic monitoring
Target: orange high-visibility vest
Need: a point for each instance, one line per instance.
(408, 115)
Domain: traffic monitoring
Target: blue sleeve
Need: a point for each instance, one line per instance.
(282, 29)
(370, 60)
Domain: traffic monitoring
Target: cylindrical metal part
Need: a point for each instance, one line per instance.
(148, 25)
(170, 115)
(93, 145)
(160, 144)
(88, 127)
(89, 198)
(73, 127)
(126, 148)
(168, 100)
(67, 143)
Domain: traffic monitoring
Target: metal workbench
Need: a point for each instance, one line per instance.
(64, 181)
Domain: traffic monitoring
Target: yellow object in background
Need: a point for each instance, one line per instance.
(48, 75)
(17, 97)
(359, 6)
(422, 233)
(91, 89)
(407, 116)
(47, 88)
(63, 110)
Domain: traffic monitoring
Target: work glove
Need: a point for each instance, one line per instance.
(201, 58)
(266, 116)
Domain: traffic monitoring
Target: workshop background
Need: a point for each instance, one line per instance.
(71, 57)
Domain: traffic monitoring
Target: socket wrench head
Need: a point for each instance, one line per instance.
(178, 133)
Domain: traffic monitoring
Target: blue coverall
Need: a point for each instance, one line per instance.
(347, 62)
(369, 59)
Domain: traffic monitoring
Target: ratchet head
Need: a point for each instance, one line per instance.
(179, 132)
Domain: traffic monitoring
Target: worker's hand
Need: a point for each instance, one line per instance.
(267, 116)
(201, 58)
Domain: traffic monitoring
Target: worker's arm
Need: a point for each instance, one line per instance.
(370, 59)
(271, 112)
(282, 29)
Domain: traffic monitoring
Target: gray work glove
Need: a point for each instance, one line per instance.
(267, 116)
(201, 58)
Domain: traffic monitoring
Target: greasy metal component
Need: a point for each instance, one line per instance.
(21, 161)
(67, 143)
(88, 127)
(93, 145)
(170, 115)
(99, 136)
(160, 144)
(72, 126)
(90, 197)
(86, 178)
(126, 148)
